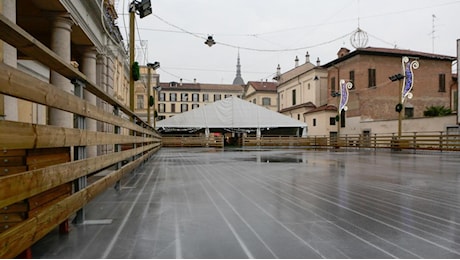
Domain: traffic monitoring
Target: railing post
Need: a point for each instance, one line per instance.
(375, 141)
(415, 141)
(441, 140)
(117, 147)
(79, 153)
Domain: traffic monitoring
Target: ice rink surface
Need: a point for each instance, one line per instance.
(273, 203)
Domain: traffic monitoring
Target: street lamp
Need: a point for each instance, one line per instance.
(156, 89)
(407, 82)
(151, 102)
(345, 86)
(143, 8)
(210, 41)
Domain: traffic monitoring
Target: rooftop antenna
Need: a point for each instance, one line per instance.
(433, 17)
(359, 38)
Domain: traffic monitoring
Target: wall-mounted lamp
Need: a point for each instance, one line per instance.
(154, 65)
(396, 77)
(335, 94)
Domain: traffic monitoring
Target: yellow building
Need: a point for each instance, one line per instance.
(262, 93)
(304, 89)
(141, 97)
(178, 97)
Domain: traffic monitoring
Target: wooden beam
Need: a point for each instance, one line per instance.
(17, 187)
(17, 135)
(26, 43)
(16, 83)
(18, 238)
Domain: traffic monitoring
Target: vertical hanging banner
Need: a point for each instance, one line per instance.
(344, 87)
(408, 83)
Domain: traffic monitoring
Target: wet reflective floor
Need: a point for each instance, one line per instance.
(214, 203)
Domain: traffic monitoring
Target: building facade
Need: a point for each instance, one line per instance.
(262, 93)
(303, 89)
(75, 32)
(374, 96)
(177, 97)
(141, 96)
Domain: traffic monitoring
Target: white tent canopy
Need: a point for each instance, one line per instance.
(230, 113)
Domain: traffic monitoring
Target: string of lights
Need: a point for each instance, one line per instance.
(278, 48)
(249, 48)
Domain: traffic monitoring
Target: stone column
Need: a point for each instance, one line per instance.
(10, 58)
(61, 44)
(101, 82)
(88, 67)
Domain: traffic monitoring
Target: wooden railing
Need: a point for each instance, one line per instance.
(192, 141)
(414, 141)
(40, 184)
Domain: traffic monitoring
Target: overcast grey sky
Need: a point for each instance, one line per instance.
(271, 32)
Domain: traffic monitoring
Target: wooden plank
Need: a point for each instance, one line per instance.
(22, 135)
(15, 208)
(26, 43)
(6, 226)
(18, 238)
(40, 158)
(16, 83)
(20, 186)
(49, 151)
(12, 170)
(6, 161)
(41, 161)
(35, 211)
(12, 217)
(12, 152)
(49, 195)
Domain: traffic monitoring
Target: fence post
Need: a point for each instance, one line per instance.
(117, 148)
(375, 141)
(440, 141)
(79, 152)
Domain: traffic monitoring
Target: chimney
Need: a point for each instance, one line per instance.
(180, 82)
(318, 62)
(342, 52)
(307, 57)
(278, 73)
(296, 61)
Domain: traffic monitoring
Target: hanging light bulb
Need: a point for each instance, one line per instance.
(210, 41)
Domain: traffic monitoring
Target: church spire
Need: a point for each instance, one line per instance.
(238, 79)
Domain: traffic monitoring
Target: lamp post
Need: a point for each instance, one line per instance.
(144, 8)
(157, 89)
(345, 86)
(151, 100)
(407, 82)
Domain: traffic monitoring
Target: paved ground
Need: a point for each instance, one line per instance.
(210, 203)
